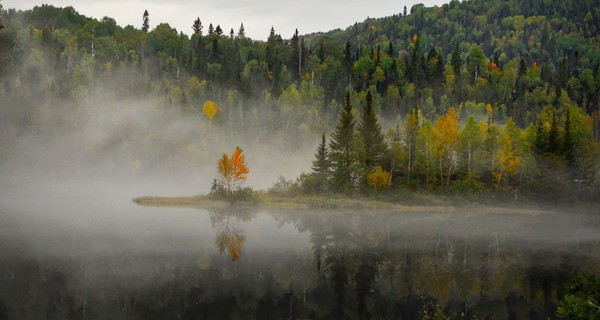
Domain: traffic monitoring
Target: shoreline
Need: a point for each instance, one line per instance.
(318, 202)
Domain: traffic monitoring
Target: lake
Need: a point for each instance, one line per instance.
(70, 252)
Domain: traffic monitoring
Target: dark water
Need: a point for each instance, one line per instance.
(66, 254)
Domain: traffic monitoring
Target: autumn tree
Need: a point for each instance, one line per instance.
(507, 160)
(210, 110)
(446, 139)
(232, 169)
(378, 179)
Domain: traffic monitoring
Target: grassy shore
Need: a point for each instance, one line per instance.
(271, 201)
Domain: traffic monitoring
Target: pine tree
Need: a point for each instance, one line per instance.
(348, 61)
(341, 148)
(197, 26)
(567, 143)
(371, 133)
(241, 32)
(145, 21)
(320, 166)
(456, 61)
(553, 143)
(296, 56)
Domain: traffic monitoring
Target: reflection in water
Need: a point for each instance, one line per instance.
(327, 265)
(229, 235)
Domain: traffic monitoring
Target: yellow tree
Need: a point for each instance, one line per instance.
(507, 160)
(232, 169)
(378, 179)
(446, 139)
(210, 109)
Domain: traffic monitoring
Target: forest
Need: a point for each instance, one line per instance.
(471, 97)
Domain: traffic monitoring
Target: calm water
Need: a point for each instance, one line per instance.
(67, 254)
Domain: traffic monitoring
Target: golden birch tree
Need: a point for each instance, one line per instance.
(232, 169)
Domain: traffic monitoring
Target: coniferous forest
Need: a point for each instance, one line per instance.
(471, 97)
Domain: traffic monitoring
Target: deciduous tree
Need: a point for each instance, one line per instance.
(232, 169)
(446, 139)
(210, 110)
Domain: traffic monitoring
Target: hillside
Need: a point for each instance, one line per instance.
(523, 76)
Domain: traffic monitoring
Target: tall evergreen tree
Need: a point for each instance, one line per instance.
(197, 26)
(320, 166)
(241, 32)
(341, 147)
(371, 133)
(456, 61)
(296, 56)
(145, 21)
(348, 61)
(567, 143)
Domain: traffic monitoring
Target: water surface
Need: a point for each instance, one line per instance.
(71, 252)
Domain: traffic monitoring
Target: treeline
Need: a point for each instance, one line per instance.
(530, 61)
(555, 157)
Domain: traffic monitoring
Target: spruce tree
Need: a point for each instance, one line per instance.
(567, 143)
(242, 31)
(145, 21)
(197, 26)
(553, 142)
(371, 133)
(340, 150)
(456, 61)
(320, 166)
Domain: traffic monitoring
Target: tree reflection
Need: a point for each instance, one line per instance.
(230, 236)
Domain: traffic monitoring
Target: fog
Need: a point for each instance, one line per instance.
(135, 145)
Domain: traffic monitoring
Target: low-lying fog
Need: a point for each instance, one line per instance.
(69, 228)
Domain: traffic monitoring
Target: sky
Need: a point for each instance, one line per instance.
(258, 16)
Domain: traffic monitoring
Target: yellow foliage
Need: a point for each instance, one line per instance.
(535, 67)
(231, 239)
(232, 169)
(378, 179)
(507, 162)
(415, 37)
(210, 110)
(489, 109)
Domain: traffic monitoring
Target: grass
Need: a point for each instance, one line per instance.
(409, 203)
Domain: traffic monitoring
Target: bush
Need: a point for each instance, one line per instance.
(218, 191)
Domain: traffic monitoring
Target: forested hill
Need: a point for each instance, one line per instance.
(533, 65)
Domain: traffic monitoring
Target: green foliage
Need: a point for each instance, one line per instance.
(535, 62)
(341, 147)
(371, 133)
(581, 298)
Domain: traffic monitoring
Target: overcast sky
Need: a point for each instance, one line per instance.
(257, 15)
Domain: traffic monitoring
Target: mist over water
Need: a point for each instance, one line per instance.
(74, 245)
